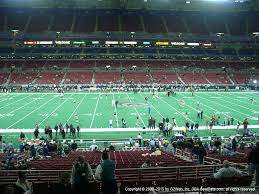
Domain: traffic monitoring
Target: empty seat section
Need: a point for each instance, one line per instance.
(164, 77)
(196, 23)
(49, 78)
(136, 78)
(78, 78)
(38, 23)
(236, 24)
(154, 24)
(131, 23)
(107, 77)
(16, 21)
(216, 24)
(84, 24)
(22, 78)
(108, 23)
(217, 78)
(175, 23)
(62, 23)
(193, 78)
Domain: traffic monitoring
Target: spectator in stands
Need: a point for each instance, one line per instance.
(139, 139)
(227, 171)
(22, 186)
(73, 131)
(152, 144)
(78, 130)
(106, 173)
(64, 185)
(146, 164)
(201, 153)
(81, 172)
(56, 129)
(234, 144)
(74, 146)
(50, 133)
(93, 147)
(131, 141)
(63, 133)
(245, 123)
(36, 131)
(253, 162)
(32, 151)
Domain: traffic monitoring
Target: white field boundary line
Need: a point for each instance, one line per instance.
(176, 110)
(31, 113)
(76, 107)
(16, 101)
(97, 102)
(137, 113)
(115, 108)
(21, 106)
(56, 93)
(236, 103)
(226, 107)
(54, 110)
(101, 130)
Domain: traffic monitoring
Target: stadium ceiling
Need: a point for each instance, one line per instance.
(188, 5)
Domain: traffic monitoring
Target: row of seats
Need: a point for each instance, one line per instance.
(128, 64)
(237, 23)
(124, 159)
(86, 77)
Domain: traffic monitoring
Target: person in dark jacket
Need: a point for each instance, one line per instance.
(64, 185)
(106, 173)
(253, 163)
(81, 172)
(234, 145)
(201, 153)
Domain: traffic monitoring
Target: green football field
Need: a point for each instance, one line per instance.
(25, 110)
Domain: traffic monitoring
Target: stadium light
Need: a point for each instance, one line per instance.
(187, 2)
(220, 34)
(256, 33)
(255, 81)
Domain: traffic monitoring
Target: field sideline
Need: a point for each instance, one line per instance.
(24, 110)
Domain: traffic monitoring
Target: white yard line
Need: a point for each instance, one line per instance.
(137, 113)
(115, 108)
(95, 111)
(194, 108)
(21, 106)
(238, 101)
(224, 106)
(154, 108)
(76, 107)
(54, 110)
(177, 110)
(30, 113)
(15, 101)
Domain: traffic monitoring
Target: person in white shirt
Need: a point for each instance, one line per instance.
(110, 123)
(139, 139)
